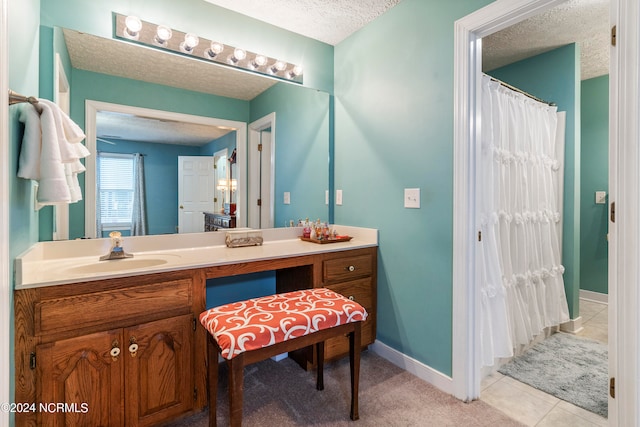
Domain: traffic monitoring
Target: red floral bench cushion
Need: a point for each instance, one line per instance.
(261, 322)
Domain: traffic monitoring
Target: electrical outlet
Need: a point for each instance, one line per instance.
(339, 197)
(287, 198)
(412, 198)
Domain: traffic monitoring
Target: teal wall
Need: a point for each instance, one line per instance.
(595, 177)
(555, 77)
(302, 149)
(394, 130)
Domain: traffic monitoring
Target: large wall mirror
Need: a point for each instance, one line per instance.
(115, 83)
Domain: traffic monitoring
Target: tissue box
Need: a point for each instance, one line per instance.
(237, 239)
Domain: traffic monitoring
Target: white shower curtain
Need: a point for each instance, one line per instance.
(522, 289)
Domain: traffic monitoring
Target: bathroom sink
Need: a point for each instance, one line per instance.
(117, 265)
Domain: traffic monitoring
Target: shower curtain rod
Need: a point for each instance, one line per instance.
(515, 89)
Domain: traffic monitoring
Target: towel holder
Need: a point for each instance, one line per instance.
(15, 98)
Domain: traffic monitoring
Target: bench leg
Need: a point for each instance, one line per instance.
(320, 367)
(354, 364)
(236, 379)
(213, 381)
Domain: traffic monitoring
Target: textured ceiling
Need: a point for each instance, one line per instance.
(329, 21)
(585, 22)
(115, 126)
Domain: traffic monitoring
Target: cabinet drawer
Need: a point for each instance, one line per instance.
(67, 313)
(361, 291)
(358, 290)
(341, 269)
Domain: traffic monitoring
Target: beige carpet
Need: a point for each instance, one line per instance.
(282, 394)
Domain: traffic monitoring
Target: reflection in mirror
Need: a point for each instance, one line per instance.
(261, 167)
(124, 74)
(180, 169)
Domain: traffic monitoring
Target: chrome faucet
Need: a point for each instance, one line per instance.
(116, 251)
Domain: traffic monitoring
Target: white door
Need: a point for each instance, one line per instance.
(196, 192)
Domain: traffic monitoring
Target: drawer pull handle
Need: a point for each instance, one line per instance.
(350, 268)
(115, 350)
(133, 346)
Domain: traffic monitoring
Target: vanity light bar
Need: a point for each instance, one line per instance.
(165, 38)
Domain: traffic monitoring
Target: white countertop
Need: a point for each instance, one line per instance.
(63, 262)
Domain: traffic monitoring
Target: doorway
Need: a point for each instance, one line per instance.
(467, 68)
(261, 172)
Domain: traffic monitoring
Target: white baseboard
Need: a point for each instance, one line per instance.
(594, 296)
(411, 365)
(573, 326)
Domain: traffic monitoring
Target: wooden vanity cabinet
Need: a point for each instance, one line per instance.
(131, 350)
(351, 273)
(119, 351)
(354, 275)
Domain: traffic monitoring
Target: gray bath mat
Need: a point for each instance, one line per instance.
(568, 367)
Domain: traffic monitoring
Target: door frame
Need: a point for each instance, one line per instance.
(624, 186)
(6, 281)
(268, 172)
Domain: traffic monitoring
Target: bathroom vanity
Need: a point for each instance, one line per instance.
(122, 341)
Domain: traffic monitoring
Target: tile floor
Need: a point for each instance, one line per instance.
(533, 407)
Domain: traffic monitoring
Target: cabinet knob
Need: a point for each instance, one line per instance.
(351, 298)
(115, 350)
(350, 268)
(133, 346)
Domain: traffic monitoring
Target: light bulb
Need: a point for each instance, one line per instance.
(294, 72)
(214, 50)
(191, 40)
(163, 34)
(278, 66)
(238, 55)
(258, 62)
(133, 25)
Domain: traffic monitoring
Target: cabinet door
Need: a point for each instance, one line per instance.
(158, 374)
(361, 291)
(79, 381)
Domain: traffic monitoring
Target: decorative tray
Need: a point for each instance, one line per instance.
(337, 239)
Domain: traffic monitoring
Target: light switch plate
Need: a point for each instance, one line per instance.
(412, 198)
(326, 197)
(601, 197)
(287, 198)
(339, 197)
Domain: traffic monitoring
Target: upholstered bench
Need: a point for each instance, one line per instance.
(249, 331)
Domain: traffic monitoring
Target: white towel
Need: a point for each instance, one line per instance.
(69, 134)
(29, 160)
(51, 153)
(53, 187)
